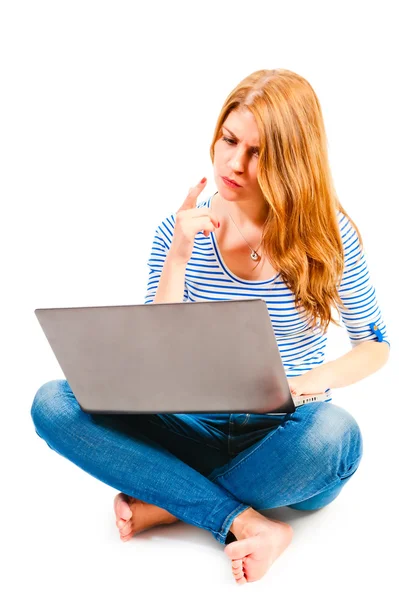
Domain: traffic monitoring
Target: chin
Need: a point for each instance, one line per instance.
(226, 191)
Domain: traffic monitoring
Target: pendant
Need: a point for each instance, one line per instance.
(254, 255)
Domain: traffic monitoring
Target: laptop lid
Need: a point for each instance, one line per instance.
(175, 357)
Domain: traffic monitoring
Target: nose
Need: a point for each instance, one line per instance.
(237, 161)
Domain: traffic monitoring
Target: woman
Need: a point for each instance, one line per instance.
(275, 230)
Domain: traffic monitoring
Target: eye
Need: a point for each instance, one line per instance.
(228, 140)
(232, 142)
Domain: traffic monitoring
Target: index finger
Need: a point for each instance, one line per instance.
(193, 193)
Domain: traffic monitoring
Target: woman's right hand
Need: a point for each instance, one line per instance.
(190, 220)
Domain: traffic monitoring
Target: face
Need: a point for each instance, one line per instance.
(236, 157)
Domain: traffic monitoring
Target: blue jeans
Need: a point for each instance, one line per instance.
(206, 469)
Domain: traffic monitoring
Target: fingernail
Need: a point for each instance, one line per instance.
(203, 180)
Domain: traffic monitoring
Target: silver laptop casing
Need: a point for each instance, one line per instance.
(199, 357)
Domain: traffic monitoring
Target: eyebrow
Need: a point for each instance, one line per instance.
(235, 137)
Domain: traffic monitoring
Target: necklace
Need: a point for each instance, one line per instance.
(254, 253)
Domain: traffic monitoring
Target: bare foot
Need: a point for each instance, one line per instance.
(260, 541)
(133, 516)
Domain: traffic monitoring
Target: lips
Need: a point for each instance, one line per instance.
(230, 182)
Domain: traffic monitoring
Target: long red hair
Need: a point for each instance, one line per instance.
(301, 232)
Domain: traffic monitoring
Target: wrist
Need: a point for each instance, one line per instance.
(171, 283)
(174, 260)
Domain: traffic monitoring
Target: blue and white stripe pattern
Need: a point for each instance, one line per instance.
(301, 347)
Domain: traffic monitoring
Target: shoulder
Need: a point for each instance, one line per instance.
(349, 236)
(354, 255)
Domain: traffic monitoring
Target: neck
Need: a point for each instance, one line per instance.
(253, 212)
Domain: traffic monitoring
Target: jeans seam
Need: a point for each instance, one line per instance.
(324, 489)
(351, 470)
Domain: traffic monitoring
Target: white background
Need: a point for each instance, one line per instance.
(107, 110)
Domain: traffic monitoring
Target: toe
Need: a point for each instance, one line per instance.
(126, 538)
(237, 569)
(121, 507)
(242, 548)
(126, 528)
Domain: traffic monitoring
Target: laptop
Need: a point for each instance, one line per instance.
(198, 357)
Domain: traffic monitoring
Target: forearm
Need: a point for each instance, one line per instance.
(171, 283)
(358, 363)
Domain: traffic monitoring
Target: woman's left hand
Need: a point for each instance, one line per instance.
(315, 381)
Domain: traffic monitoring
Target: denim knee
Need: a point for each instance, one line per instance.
(333, 437)
(46, 403)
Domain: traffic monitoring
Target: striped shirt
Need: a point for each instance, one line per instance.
(301, 347)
